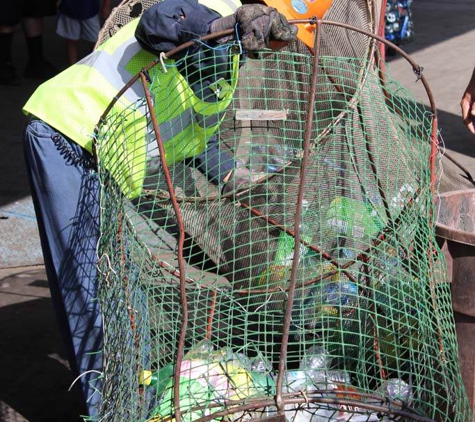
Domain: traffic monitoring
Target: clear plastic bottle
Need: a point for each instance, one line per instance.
(310, 377)
(271, 158)
(399, 392)
(316, 358)
(402, 197)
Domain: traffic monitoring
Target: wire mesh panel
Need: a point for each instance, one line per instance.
(314, 290)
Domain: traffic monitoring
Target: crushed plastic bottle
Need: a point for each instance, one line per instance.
(271, 158)
(315, 378)
(300, 380)
(323, 305)
(208, 378)
(354, 219)
(402, 198)
(263, 379)
(326, 302)
(277, 274)
(398, 391)
(261, 373)
(316, 358)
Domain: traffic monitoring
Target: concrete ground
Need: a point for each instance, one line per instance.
(34, 375)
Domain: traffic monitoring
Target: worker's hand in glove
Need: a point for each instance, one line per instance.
(257, 26)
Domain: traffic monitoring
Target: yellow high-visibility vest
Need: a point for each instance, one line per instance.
(73, 102)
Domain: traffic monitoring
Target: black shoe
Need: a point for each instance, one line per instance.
(41, 70)
(8, 75)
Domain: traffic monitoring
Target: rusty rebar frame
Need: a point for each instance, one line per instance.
(279, 399)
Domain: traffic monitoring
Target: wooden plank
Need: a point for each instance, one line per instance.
(243, 114)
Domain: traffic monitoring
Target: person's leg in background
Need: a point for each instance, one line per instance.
(65, 193)
(32, 22)
(90, 29)
(37, 67)
(7, 70)
(75, 31)
(9, 18)
(69, 29)
(30, 13)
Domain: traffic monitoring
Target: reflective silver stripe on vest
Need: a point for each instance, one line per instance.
(113, 67)
(208, 121)
(118, 76)
(174, 126)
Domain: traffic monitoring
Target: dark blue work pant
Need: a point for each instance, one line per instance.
(65, 192)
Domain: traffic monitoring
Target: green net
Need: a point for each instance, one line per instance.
(313, 292)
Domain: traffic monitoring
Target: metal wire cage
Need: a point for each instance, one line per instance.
(316, 291)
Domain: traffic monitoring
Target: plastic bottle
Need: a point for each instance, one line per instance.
(398, 392)
(279, 271)
(208, 378)
(262, 375)
(261, 372)
(157, 379)
(355, 219)
(326, 303)
(313, 375)
(271, 158)
(316, 358)
(402, 198)
(316, 363)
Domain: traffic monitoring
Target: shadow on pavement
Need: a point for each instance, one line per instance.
(34, 373)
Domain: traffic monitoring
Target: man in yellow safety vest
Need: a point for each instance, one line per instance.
(58, 143)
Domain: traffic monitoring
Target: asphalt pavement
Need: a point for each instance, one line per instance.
(34, 374)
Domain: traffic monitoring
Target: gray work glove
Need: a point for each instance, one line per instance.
(257, 26)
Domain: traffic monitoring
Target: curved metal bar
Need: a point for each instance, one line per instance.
(418, 70)
(382, 19)
(169, 54)
(391, 408)
(298, 216)
(181, 260)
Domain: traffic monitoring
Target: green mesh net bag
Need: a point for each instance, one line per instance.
(315, 291)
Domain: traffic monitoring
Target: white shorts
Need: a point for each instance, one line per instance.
(73, 29)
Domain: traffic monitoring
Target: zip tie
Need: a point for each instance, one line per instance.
(236, 31)
(418, 72)
(162, 57)
(81, 375)
(147, 76)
